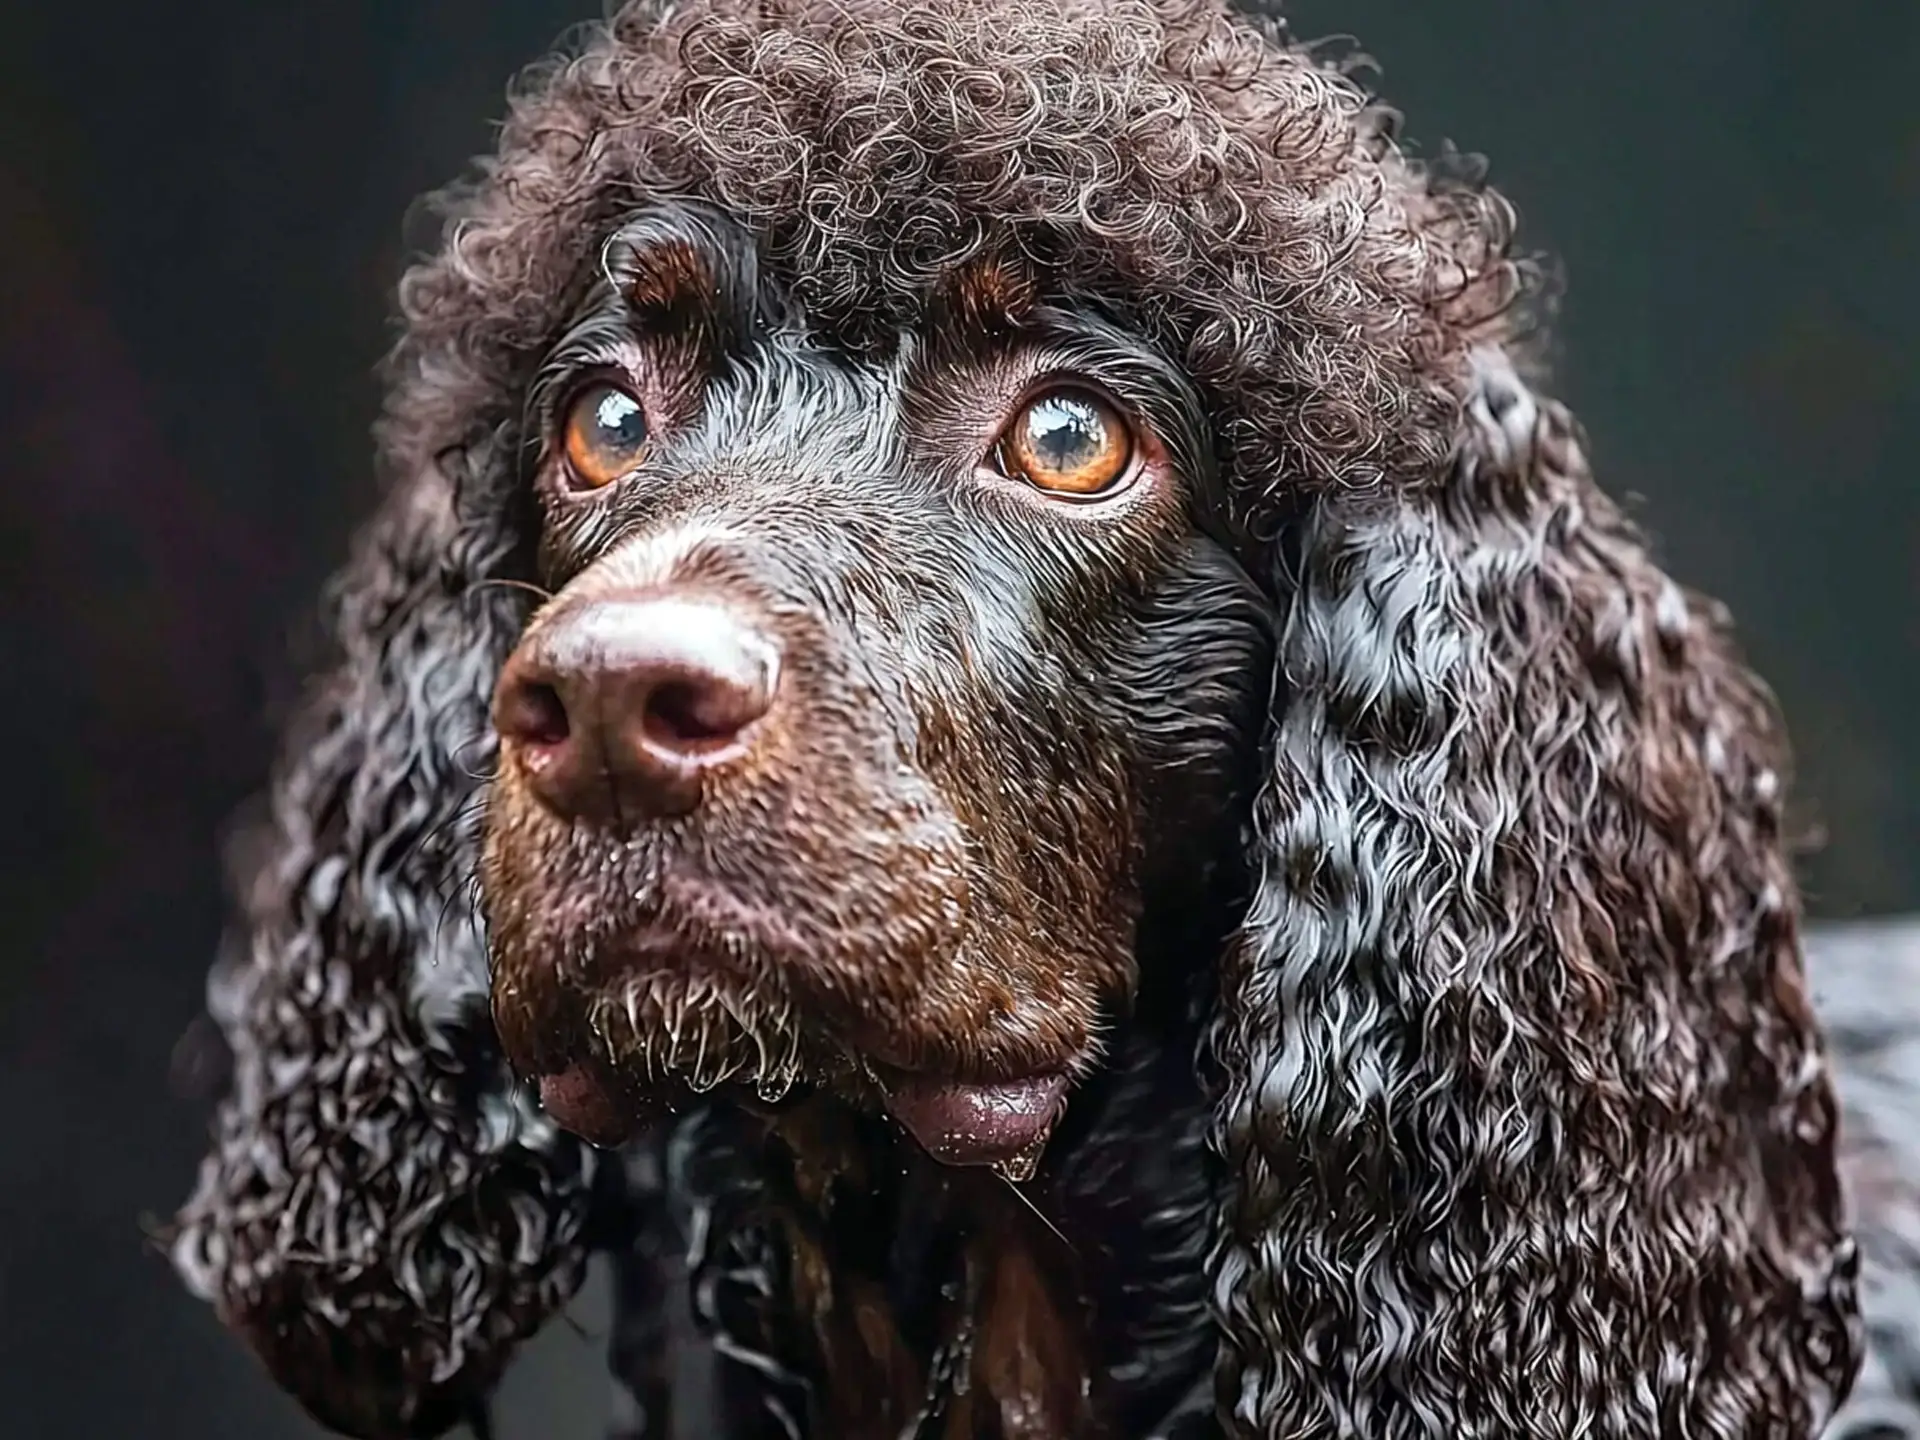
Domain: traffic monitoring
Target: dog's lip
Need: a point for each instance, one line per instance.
(1001, 1123)
(584, 1104)
(1004, 1124)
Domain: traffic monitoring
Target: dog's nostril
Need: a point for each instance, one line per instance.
(689, 716)
(534, 714)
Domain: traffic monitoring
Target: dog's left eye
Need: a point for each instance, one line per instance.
(606, 436)
(1068, 442)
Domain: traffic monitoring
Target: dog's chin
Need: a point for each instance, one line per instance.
(983, 1114)
(1004, 1125)
(581, 1101)
(624, 1019)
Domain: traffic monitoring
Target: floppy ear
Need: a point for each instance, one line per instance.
(1527, 1118)
(384, 1214)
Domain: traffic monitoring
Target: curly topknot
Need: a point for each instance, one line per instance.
(1242, 205)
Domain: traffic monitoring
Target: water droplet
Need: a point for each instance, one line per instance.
(1019, 1167)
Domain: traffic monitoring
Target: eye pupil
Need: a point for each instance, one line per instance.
(1065, 432)
(622, 425)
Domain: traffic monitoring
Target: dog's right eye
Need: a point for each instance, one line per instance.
(606, 436)
(1068, 442)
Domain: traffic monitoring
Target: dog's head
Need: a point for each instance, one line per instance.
(880, 686)
(909, 458)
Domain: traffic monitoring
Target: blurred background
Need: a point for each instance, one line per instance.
(201, 211)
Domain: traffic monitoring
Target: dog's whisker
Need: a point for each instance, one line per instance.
(503, 582)
(448, 904)
(481, 742)
(700, 1055)
(1038, 1214)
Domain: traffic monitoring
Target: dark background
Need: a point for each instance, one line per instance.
(200, 220)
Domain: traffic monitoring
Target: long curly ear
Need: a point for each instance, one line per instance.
(383, 1214)
(1527, 1115)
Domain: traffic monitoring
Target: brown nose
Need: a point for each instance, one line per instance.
(620, 707)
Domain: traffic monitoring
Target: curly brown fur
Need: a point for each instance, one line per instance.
(1359, 752)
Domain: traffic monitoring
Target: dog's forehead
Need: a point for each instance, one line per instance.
(795, 407)
(680, 260)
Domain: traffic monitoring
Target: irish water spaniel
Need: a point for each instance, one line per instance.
(983, 666)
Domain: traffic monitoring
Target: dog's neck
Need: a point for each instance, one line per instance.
(861, 1289)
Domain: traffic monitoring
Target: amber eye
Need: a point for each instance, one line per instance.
(1068, 442)
(606, 436)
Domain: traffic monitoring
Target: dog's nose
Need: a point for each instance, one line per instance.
(620, 707)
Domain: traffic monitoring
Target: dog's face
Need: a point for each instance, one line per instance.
(879, 701)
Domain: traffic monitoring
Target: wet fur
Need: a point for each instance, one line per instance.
(1511, 1113)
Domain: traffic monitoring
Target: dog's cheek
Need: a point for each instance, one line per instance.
(1193, 677)
(531, 1009)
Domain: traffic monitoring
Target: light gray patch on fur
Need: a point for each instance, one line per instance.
(1502, 408)
(449, 980)
(654, 558)
(1671, 616)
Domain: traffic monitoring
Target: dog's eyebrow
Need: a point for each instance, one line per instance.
(679, 278)
(982, 304)
(686, 269)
